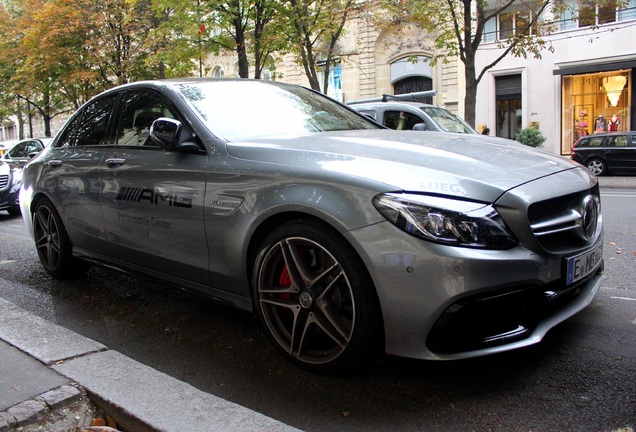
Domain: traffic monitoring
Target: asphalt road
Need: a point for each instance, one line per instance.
(581, 377)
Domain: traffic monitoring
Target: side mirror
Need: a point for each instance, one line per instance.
(420, 127)
(165, 132)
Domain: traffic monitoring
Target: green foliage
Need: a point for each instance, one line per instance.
(531, 137)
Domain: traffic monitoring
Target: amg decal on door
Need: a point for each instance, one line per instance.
(155, 196)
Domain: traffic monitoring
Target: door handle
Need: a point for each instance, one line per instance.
(54, 163)
(114, 162)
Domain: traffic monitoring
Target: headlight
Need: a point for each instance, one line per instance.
(446, 221)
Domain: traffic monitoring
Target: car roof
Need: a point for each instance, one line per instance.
(390, 104)
(605, 134)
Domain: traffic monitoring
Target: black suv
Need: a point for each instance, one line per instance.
(607, 153)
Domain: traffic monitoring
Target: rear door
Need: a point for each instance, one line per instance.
(621, 153)
(71, 173)
(153, 199)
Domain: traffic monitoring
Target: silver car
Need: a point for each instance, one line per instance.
(346, 239)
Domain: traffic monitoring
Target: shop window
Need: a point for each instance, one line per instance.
(334, 88)
(594, 103)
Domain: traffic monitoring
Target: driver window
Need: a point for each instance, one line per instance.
(140, 109)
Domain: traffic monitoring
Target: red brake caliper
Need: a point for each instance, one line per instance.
(284, 280)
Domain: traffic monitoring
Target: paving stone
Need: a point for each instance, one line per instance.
(6, 422)
(60, 396)
(28, 412)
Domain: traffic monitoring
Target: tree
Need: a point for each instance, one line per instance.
(314, 28)
(458, 28)
(244, 26)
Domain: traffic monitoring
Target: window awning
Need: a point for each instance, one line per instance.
(592, 68)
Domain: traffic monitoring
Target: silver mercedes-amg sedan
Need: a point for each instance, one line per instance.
(347, 240)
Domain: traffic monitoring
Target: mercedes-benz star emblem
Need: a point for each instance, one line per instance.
(590, 215)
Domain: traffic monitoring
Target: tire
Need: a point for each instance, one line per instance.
(315, 299)
(53, 244)
(596, 166)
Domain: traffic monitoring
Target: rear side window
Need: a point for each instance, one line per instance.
(593, 141)
(90, 127)
(401, 120)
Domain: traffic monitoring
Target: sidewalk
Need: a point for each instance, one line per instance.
(45, 367)
(618, 182)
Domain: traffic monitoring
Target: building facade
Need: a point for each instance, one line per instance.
(371, 63)
(585, 85)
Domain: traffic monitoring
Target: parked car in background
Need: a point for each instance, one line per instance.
(607, 153)
(22, 151)
(345, 238)
(11, 164)
(395, 113)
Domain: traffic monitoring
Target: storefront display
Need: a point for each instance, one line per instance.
(594, 103)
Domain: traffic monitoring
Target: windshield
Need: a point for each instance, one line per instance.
(448, 121)
(240, 110)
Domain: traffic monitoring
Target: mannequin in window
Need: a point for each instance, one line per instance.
(614, 124)
(600, 125)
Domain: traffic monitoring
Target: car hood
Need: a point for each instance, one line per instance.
(481, 168)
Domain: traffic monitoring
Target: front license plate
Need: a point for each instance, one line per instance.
(584, 264)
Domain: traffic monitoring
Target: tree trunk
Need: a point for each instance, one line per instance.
(471, 90)
(241, 50)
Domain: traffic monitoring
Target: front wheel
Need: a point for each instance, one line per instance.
(52, 242)
(315, 298)
(596, 166)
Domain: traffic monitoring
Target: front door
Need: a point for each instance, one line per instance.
(153, 199)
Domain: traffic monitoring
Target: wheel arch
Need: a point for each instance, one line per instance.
(276, 220)
(273, 221)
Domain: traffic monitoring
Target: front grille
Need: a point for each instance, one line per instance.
(4, 181)
(558, 223)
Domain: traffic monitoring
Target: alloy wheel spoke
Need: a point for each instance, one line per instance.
(300, 274)
(328, 315)
(299, 331)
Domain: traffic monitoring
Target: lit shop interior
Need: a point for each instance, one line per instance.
(595, 103)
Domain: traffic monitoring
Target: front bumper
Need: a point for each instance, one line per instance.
(9, 198)
(443, 303)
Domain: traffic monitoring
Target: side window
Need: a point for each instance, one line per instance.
(594, 141)
(91, 126)
(25, 149)
(401, 120)
(19, 151)
(139, 110)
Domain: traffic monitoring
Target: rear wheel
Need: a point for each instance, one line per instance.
(596, 166)
(52, 242)
(315, 298)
